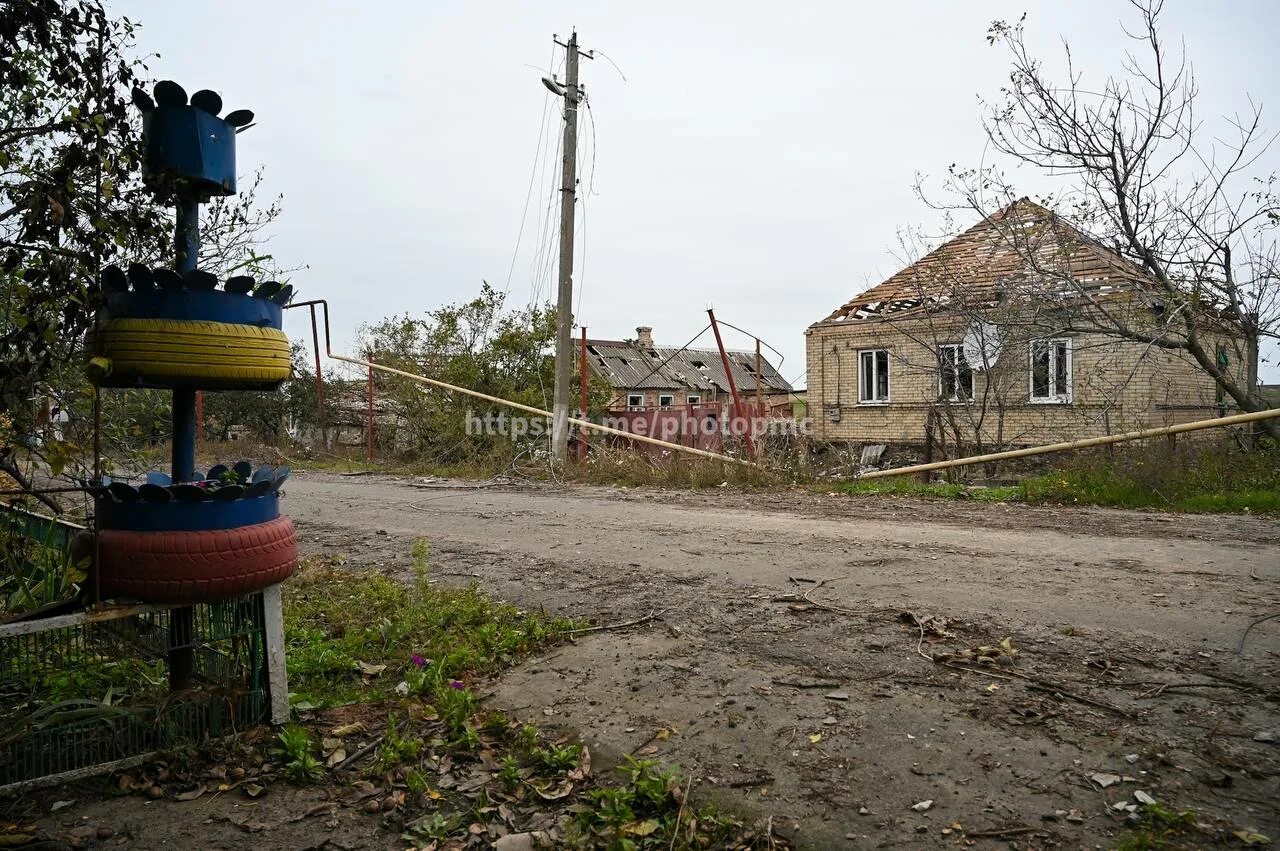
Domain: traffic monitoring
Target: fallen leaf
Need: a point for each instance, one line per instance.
(336, 758)
(815, 738)
(641, 828)
(1248, 837)
(253, 790)
(369, 669)
(347, 730)
(584, 766)
(58, 805)
(555, 793)
(190, 794)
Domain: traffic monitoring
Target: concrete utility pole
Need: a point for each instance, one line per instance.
(572, 93)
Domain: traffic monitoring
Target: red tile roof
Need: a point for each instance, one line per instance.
(990, 261)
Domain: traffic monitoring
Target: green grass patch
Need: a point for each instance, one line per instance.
(355, 635)
(1195, 479)
(907, 486)
(406, 651)
(1208, 479)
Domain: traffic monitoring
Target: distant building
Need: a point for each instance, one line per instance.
(645, 376)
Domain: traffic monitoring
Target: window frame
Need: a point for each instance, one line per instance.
(1064, 398)
(667, 405)
(635, 406)
(875, 381)
(958, 348)
(693, 398)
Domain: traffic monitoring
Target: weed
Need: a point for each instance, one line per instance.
(421, 548)
(509, 774)
(528, 738)
(294, 747)
(1161, 828)
(415, 782)
(455, 704)
(395, 749)
(647, 810)
(433, 827)
(554, 758)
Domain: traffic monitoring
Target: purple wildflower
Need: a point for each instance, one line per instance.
(456, 684)
(419, 661)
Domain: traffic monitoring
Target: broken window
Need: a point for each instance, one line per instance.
(1051, 370)
(693, 398)
(665, 401)
(635, 401)
(873, 376)
(955, 375)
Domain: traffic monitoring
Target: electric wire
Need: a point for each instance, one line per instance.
(533, 172)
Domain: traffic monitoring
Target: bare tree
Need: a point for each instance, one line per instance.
(1192, 211)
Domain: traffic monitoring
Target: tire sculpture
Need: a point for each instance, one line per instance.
(186, 538)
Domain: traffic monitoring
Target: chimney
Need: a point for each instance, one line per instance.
(644, 337)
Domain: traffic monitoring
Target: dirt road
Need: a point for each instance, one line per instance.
(784, 672)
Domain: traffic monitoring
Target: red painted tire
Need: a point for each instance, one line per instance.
(196, 567)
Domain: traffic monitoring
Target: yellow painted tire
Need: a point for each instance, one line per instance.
(185, 353)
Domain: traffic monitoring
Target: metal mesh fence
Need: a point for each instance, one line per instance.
(78, 696)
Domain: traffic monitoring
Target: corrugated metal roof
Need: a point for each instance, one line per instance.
(627, 366)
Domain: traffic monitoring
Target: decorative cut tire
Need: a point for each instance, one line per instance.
(190, 353)
(196, 567)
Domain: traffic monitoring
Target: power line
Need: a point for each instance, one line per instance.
(533, 172)
(582, 275)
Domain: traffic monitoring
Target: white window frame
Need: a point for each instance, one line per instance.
(635, 401)
(693, 399)
(667, 405)
(888, 377)
(1063, 398)
(958, 348)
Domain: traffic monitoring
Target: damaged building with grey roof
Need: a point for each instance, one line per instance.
(645, 376)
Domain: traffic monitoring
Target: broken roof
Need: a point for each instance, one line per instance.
(991, 260)
(628, 366)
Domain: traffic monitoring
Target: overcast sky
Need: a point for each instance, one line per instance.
(758, 158)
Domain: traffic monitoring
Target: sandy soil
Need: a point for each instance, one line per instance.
(779, 665)
(745, 669)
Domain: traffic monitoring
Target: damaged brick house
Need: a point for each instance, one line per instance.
(649, 377)
(994, 339)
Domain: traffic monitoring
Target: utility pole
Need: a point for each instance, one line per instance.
(572, 94)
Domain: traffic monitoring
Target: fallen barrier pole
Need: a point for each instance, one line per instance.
(529, 409)
(1162, 431)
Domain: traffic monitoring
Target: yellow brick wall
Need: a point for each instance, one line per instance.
(1116, 386)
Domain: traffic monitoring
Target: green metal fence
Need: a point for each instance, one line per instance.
(83, 691)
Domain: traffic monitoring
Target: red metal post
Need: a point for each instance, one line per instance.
(733, 385)
(368, 430)
(582, 357)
